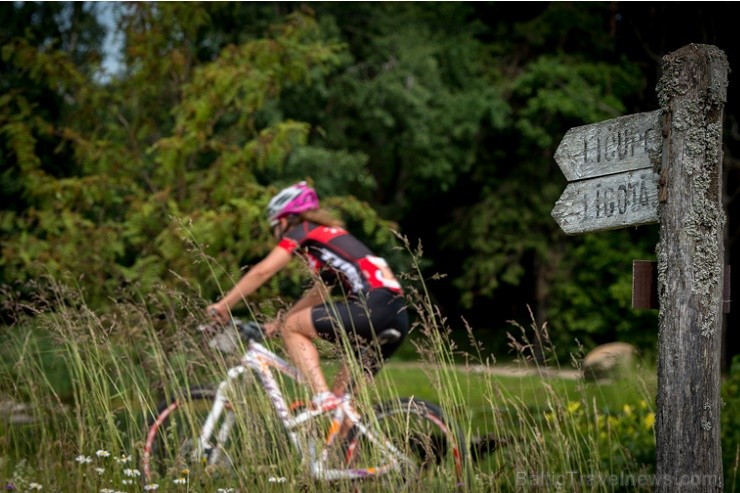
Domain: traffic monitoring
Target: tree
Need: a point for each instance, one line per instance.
(151, 196)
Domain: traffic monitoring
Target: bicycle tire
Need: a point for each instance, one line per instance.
(173, 432)
(422, 432)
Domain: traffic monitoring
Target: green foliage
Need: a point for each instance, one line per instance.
(558, 89)
(624, 439)
(730, 418)
(594, 303)
(150, 206)
(434, 120)
(411, 97)
(505, 241)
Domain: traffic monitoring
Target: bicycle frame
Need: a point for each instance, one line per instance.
(261, 361)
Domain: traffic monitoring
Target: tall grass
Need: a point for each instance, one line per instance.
(91, 382)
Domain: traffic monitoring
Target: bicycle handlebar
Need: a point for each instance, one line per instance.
(249, 331)
(224, 340)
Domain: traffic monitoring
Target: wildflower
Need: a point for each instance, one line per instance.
(9, 487)
(225, 490)
(649, 421)
(131, 473)
(277, 480)
(123, 459)
(573, 407)
(628, 410)
(185, 472)
(102, 453)
(151, 487)
(100, 470)
(180, 481)
(82, 459)
(35, 486)
(127, 481)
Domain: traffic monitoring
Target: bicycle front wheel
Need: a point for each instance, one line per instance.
(429, 443)
(172, 447)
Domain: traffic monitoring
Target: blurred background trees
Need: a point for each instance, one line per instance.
(435, 120)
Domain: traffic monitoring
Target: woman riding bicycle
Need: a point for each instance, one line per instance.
(373, 296)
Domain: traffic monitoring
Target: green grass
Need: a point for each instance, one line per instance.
(91, 390)
(92, 381)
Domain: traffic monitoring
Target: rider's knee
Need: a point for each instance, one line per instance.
(296, 323)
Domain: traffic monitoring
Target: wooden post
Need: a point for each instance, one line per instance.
(692, 92)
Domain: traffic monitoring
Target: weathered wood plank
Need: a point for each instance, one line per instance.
(613, 146)
(608, 202)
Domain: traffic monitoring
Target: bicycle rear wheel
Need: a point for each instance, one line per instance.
(419, 430)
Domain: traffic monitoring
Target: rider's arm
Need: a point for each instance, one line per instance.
(276, 260)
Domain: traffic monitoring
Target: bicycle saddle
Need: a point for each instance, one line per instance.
(388, 336)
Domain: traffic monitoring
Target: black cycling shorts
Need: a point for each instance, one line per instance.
(363, 320)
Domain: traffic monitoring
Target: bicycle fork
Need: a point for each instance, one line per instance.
(205, 451)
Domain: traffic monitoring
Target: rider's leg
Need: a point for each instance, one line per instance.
(341, 381)
(297, 333)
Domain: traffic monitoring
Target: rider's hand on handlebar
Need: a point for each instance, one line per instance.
(218, 312)
(271, 329)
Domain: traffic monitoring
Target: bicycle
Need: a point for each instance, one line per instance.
(405, 438)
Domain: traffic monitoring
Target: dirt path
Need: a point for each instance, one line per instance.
(507, 370)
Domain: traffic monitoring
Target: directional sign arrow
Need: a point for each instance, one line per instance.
(612, 146)
(608, 202)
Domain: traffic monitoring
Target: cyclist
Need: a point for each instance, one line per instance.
(373, 296)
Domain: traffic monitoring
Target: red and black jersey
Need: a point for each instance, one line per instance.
(335, 254)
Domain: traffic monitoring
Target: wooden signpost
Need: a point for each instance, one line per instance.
(610, 167)
(665, 166)
(609, 147)
(609, 202)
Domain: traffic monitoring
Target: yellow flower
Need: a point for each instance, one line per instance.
(627, 410)
(573, 407)
(649, 421)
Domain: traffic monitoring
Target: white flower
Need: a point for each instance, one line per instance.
(151, 487)
(102, 453)
(35, 486)
(131, 473)
(100, 470)
(180, 481)
(277, 480)
(123, 459)
(83, 459)
(128, 481)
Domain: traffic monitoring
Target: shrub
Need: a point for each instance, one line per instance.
(731, 425)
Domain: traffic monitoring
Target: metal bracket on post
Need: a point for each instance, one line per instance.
(645, 285)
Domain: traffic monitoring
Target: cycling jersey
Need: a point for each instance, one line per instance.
(335, 254)
(374, 301)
